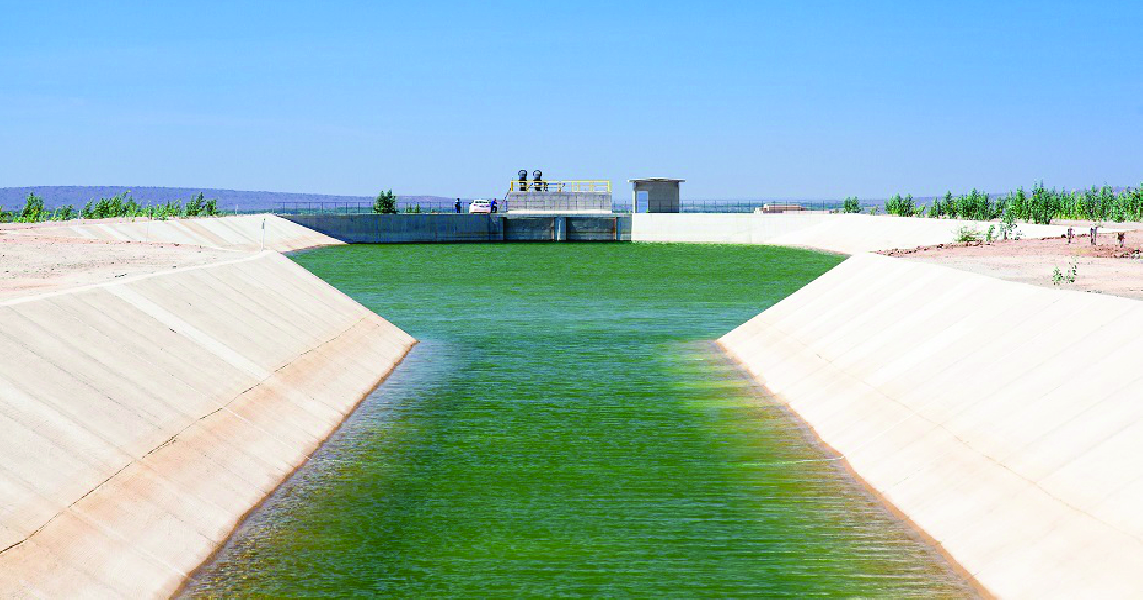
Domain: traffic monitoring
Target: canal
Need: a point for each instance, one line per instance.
(567, 428)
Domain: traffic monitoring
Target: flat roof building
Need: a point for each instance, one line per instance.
(662, 194)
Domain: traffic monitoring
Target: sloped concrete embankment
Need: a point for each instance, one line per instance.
(1005, 420)
(243, 232)
(844, 233)
(142, 419)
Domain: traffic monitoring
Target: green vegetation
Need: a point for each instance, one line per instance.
(200, 207)
(123, 206)
(386, 203)
(120, 206)
(1098, 204)
(967, 233)
(35, 212)
(1060, 277)
(851, 205)
(902, 207)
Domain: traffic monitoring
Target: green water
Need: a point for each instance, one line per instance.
(567, 428)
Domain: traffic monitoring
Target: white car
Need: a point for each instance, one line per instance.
(480, 206)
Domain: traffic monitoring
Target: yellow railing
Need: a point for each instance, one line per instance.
(560, 186)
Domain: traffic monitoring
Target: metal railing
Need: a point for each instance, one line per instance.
(560, 186)
(366, 207)
(767, 205)
(618, 205)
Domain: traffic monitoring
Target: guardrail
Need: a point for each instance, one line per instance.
(771, 206)
(622, 205)
(365, 207)
(560, 186)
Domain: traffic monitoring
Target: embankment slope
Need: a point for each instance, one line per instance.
(244, 232)
(1005, 420)
(143, 416)
(844, 233)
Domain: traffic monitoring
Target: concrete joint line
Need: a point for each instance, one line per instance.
(167, 442)
(65, 509)
(226, 406)
(181, 327)
(137, 355)
(126, 280)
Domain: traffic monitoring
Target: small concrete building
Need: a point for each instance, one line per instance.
(662, 194)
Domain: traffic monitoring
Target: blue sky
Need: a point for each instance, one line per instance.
(741, 99)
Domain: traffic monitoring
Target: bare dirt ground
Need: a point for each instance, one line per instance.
(1101, 268)
(30, 265)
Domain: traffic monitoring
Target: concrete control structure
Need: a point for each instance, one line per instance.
(547, 197)
(662, 194)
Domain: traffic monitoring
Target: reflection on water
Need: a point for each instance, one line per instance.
(566, 428)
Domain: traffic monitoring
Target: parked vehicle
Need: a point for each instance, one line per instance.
(480, 206)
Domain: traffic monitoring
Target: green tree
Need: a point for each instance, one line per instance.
(194, 206)
(65, 212)
(386, 203)
(33, 211)
(902, 207)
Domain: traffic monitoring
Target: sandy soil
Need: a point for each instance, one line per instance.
(51, 224)
(1101, 268)
(32, 265)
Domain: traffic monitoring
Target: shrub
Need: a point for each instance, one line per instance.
(1042, 205)
(902, 207)
(1060, 277)
(386, 203)
(33, 211)
(967, 233)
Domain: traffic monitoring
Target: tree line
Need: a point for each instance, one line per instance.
(120, 206)
(1041, 205)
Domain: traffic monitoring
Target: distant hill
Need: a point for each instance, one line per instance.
(229, 200)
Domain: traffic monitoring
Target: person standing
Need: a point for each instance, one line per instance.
(456, 205)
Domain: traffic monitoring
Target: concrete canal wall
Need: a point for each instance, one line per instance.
(844, 233)
(823, 231)
(141, 419)
(428, 228)
(245, 232)
(1005, 420)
